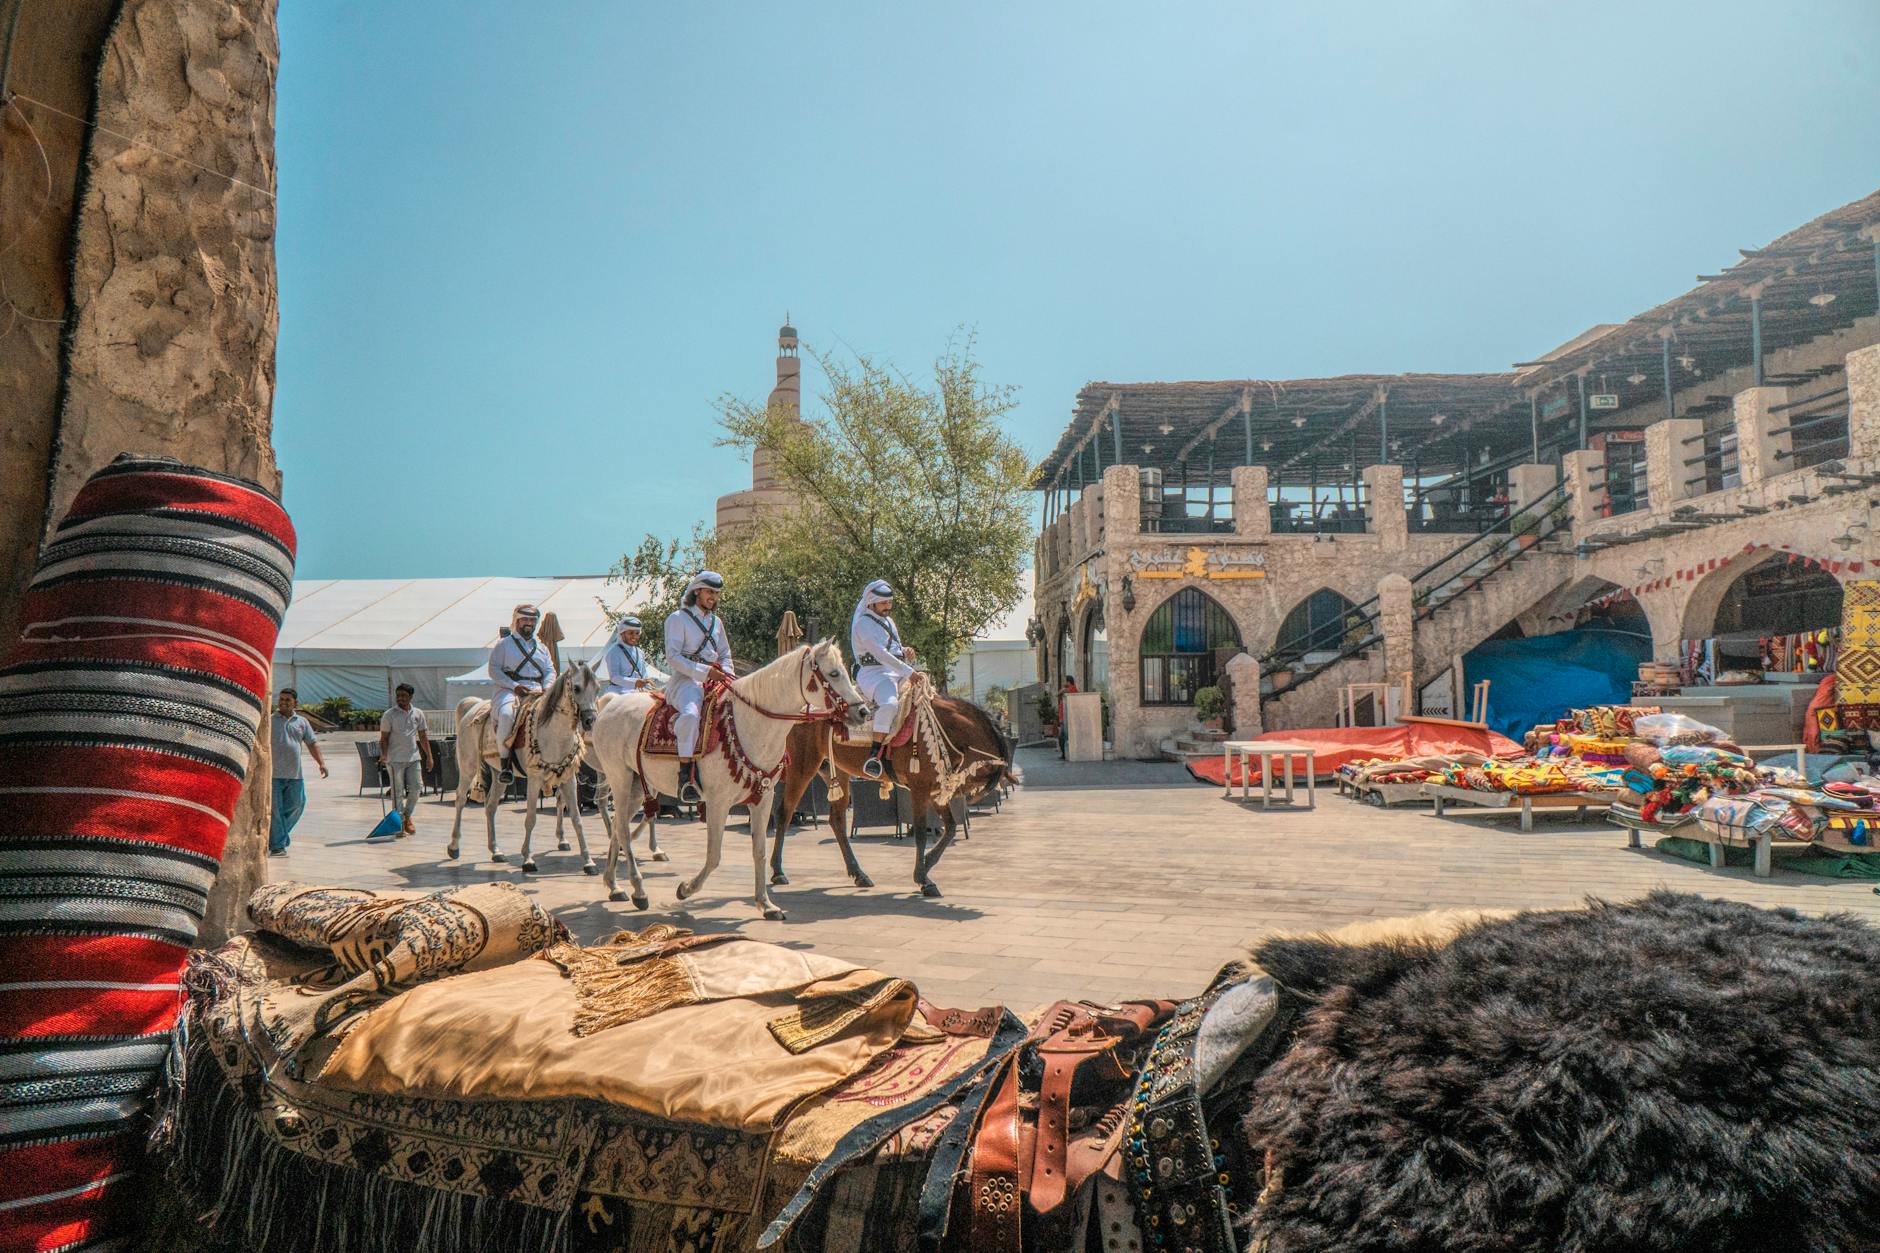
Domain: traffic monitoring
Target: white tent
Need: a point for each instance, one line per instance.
(359, 638)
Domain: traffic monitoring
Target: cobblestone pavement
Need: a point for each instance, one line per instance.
(1101, 881)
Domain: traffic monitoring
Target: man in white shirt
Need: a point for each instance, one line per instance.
(404, 740)
(696, 649)
(882, 661)
(519, 664)
(625, 661)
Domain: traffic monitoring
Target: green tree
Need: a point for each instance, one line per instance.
(917, 483)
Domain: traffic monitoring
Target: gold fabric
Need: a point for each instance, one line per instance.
(1857, 671)
(363, 946)
(509, 1034)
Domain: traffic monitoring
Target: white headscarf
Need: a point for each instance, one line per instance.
(703, 579)
(878, 590)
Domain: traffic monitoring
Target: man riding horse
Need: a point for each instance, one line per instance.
(697, 650)
(519, 665)
(628, 670)
(883, 662)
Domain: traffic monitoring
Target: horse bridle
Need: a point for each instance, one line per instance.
(809, 679)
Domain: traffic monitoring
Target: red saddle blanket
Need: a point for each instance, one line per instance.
(657, 737)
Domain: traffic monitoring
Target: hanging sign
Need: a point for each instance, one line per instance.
(1603, 400)
(1554, 408)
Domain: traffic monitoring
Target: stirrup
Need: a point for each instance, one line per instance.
(506, 772)
(872, 766)
(688, 784)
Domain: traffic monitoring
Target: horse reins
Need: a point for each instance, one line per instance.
(834, 708)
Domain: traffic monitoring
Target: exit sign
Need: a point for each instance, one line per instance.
(1603, 400)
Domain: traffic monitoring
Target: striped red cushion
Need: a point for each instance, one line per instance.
(128, 710)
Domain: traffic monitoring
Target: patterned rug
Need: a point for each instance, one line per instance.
(1858, 669)
(128, 710)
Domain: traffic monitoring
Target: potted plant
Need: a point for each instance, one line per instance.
(1210, 707)
(1526, 530)
(1047, 714)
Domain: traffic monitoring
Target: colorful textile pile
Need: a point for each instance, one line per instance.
(128, 712)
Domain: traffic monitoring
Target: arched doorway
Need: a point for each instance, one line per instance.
(1185, 643)
(1763, 617)
(1096, 651)
(1316, 624)
(1064, 658)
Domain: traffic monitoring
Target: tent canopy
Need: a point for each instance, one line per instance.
(358, 638)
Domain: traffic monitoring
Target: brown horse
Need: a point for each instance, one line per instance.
(973, 743)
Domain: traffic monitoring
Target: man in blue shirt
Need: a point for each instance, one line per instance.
(286, 734)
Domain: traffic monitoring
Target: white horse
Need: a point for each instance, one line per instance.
(804, 685)
(604, 800)
(549, 750)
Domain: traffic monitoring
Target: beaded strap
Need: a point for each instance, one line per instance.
(1181, 1185)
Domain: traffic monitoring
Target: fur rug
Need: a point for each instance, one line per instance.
(1673, 1073)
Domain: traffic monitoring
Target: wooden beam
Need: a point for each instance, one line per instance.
(1244, 405)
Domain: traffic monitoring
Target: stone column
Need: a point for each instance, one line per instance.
(1383, 486)
(1586, 490)
(1244, 672)
(1396, 612)
(1528, 483)
(1092, 533)
(1122, 505)
(1253, 519)
(1863, 403)
(1759, 454)
(1666, 476)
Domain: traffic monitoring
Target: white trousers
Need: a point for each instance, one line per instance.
(882, 687)
(685, 696)
(503, 708)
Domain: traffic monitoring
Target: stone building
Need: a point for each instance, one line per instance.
(1299, 536)
(737, 509)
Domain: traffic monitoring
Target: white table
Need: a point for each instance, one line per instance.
(1266, 751)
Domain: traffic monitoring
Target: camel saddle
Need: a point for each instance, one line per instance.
(659, 739)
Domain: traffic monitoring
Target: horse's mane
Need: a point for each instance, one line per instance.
(977, 714)
(552, 696)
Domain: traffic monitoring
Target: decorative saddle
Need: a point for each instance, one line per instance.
(659, 739)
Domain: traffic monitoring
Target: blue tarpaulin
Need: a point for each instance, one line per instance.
(1534, 681)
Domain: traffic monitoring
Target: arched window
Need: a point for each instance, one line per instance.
(1183, 645)
(1096, 651)
(1316, 624)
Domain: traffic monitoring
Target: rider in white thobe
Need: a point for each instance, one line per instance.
(883, 661)
(696, 647)
(625, 661)
(519, 664)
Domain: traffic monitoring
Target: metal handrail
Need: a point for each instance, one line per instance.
(1797, 404)
(1369, 613)
(1818, 419)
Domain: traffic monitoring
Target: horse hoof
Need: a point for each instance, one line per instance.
(498, 858)
(590, 868)
(684, 890)
(778, 879)
(930, 890)
(451, 852)
(563, 846)
(861, 880)
(616, 895)
(641, 903)
(528, 867)
(660, 855)
(774, 914)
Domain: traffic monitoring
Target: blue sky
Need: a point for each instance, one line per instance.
(523, 247)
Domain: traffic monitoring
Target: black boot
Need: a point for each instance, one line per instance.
(688, 784)
(507, 773)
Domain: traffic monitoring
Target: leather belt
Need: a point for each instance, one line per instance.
(994, 1185)
(867, 1136)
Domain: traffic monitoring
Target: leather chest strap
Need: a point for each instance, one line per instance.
(868, 1136)
(947, 1164)
(995, 1219)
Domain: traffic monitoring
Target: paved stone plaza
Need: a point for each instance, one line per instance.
(1103, 881)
